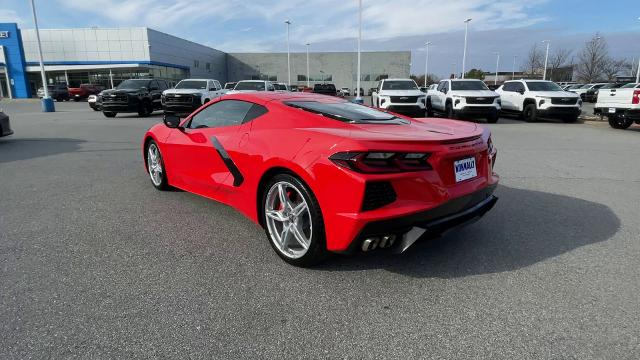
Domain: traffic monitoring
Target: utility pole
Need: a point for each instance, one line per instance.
(495, 80)
(513, 70)
(546, 59)
(358, 97)
(426, 64)
(288, 22)
(308, 64)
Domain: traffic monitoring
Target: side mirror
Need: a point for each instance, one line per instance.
(521, 91)
(171, 121)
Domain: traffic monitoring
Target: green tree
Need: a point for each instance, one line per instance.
(474, 74)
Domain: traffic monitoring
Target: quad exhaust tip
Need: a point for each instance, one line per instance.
(381, 242)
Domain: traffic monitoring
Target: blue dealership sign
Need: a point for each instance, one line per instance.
(15, 65)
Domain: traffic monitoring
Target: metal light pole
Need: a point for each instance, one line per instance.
(358, 97)
(495, 80)
(513, 70)
(47, 101)
(288, 22)
(546, 59)
(464, 54)
(454, 68)
(308, 64)
(426, 64)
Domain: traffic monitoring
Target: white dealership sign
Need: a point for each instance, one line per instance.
(4, 34)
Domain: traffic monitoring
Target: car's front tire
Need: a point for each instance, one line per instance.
(451, 114)
(293, 221)
(429, 109)
(109, 114)
(530, 113)
(155, 166)
(493, 118)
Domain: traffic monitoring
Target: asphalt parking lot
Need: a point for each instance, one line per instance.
(95, 263)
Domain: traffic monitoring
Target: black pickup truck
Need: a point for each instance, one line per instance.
(141, 96)
(325, 89)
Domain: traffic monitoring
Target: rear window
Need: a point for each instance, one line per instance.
(468, 85)
(344, 111)
(630, 86)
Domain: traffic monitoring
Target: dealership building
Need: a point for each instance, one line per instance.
(108, 56)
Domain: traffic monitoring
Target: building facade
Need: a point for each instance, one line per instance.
(108, 56)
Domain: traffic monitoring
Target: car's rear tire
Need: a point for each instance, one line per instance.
(293, 221)
(145, 110)
(619, 122)
(155, 166)
(109, 114)
(530, 113)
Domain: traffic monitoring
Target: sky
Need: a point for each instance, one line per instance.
(510, 27)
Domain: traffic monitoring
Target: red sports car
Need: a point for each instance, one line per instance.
(321, 174)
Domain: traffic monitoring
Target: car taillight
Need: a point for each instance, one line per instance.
(382, 162)
(636, 97)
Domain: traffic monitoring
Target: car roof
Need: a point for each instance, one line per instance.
(261, 81)
(398, 79)
(464, 80)
(198, 79)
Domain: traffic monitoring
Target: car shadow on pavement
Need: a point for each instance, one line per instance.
(13, 149)
(524, 228)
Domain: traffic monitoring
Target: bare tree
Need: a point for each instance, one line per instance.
(612, 67)
(557, 60)
(534, 60)
(593, 59)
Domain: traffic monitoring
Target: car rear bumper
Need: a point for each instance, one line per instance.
(406, 230)
(632, 114)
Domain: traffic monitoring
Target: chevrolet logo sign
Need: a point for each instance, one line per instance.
(404, 98)
(178, 95)
(480, 99)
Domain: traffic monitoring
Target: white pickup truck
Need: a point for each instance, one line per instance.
(463, 97)
(621, 106)
(190, 94)
(399, 95)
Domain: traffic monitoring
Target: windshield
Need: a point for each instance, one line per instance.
(468, 85)
(629, 86)
(133, 84)
(344, 111)
(543, 86)
(192, 84)
(399, 85)
(248, 85)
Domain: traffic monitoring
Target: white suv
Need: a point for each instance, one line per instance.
(464, 97)
(399, 95)
(531, 99)
(190, 94)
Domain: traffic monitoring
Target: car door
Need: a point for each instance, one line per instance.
(507, 94)
(198, 155)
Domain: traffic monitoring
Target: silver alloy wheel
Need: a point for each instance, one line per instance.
(154, 164)
(288, 219)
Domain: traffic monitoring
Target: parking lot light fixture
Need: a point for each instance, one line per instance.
(288, 22)
(638, 71)
(426, 63)
(464, 53)
(308, 64)
(495, 80)
(546, 59)
(358, 96)
(513, 70)
(47, 101)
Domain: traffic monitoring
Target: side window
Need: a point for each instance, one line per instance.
(217, 84)
(270, 87)
(221, 114)
(520, 87)
(446, 86)
(440, 86)
(509, 86)
(254, 112)
(162, 85)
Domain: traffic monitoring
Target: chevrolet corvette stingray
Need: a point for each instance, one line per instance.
(321, 174)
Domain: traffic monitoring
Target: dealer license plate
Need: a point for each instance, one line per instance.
(465, 169)
(612, 110)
